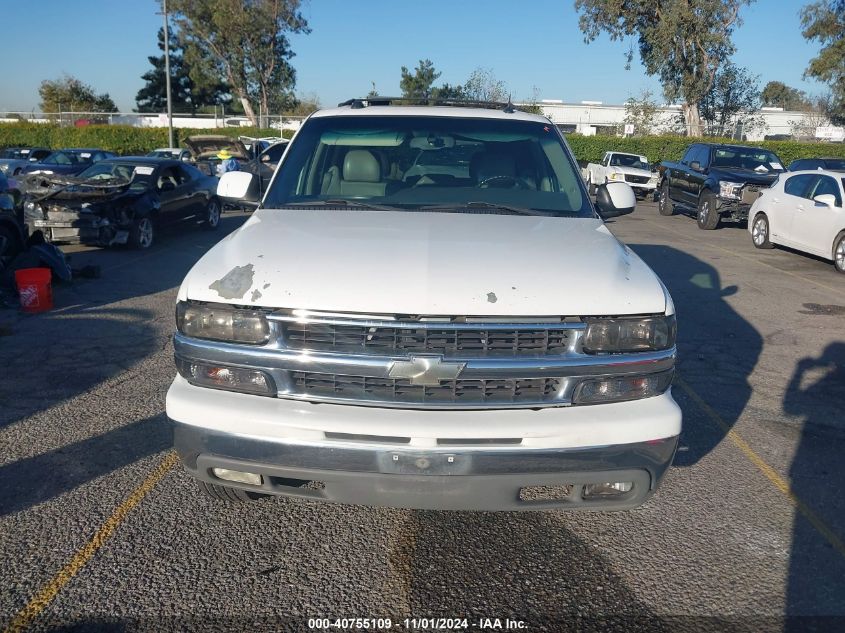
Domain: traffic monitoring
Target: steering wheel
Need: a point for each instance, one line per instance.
(500, 182)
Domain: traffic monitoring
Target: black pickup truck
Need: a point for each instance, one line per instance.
(716, 182)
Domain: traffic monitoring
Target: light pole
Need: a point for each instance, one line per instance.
(167, 74)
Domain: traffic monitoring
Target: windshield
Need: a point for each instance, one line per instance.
(751, 158)
(438, 163)
(122, 171)
(628, 160)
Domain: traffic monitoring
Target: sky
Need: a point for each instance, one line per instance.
(526, 44)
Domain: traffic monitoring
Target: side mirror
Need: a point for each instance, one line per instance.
(614, 199)
(695, 165)
(825, 200)
(239, 187)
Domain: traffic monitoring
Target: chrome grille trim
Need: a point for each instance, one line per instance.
(487, 338)
(400, 391)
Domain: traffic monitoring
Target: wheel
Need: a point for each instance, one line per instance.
(212, 215)
(839, 253)
(707, 216)
(10, 245)
(760, 231)
(664, 203)
(226, 493)
(142, 232)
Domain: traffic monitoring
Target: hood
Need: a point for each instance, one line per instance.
(743, 175)
(383, 262)
(208, 145)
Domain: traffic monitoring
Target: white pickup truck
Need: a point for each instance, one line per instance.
(426, 310)
(622, 167)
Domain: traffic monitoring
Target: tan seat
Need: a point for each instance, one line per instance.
(362, 175)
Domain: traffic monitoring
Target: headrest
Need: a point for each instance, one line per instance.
(485, 165)
(361, 166)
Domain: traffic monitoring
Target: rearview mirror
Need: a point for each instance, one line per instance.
(825, 199)
(238, 187)
(695, 165)
(166, 185)
(614, 199)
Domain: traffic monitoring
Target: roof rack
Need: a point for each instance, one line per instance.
(378, 100)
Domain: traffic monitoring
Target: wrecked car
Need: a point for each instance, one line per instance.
(205, 147)
(120, 201)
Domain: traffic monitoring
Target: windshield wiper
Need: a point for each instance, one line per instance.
(340, 202)
(481, 204)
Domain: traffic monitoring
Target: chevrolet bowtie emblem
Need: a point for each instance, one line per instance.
(425, 370)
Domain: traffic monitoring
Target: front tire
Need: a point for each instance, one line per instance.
(141, 233)
(707, 216)
(226, 493)
(664, 203)
(212, 215)
(839, 253)
(760, 234)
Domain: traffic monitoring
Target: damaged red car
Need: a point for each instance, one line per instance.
(120, 201)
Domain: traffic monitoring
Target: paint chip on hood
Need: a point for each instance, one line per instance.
(235, 284)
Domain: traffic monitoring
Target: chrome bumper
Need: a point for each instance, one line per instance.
(445, 478)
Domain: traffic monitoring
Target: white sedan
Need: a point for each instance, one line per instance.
(803, 210)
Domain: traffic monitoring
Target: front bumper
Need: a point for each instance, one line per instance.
(93, 231)
(455, 460)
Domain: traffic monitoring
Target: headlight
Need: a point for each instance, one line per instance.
(615, 175)
(229, 378)
(730, 190)
(32, 210)
(619, 389)
(222, 323)
(629, 334)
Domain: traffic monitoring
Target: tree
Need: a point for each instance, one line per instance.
(483, 85)
(683, 42)
(448, 92)
(418, 85)
(69, 94)
(246, 42)
(641, 112)
(305, 105)
(190, 87)
(778, 94)
(732, 101)
(824, 21)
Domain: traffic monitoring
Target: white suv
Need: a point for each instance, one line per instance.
(426, 311)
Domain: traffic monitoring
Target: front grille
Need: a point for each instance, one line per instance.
(640, 180)
(447, 341)
(401, 391)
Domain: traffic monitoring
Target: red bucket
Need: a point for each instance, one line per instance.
(34, 289)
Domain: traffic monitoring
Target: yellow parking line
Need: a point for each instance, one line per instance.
(768, 472)
(747, 258)
(48, 592)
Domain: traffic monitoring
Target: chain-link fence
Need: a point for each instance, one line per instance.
(180, 120)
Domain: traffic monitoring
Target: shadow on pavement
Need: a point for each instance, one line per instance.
(816, 392)
(717, 347)
(92, 335)
(532, 569)
(28, 482)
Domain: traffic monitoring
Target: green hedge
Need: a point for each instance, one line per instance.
(591, 149)
(122, 139)
(128, 140)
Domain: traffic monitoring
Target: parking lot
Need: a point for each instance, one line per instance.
(101, 528)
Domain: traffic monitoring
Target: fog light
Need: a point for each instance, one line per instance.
(608, 489)
(229, 378)
(602, 390)
(237, 475)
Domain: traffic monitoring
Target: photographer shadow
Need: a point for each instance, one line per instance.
(816, 585)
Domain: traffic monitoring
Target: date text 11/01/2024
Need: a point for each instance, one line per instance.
(417, 624)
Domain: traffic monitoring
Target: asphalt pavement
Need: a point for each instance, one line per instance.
(101, 529)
